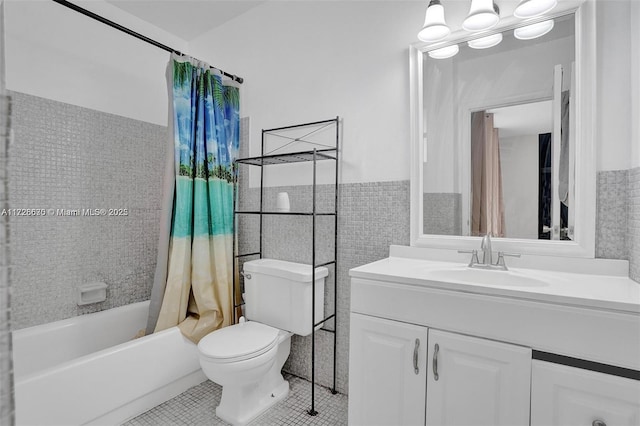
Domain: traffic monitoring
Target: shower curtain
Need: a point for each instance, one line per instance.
(487, 209)
(192, 286)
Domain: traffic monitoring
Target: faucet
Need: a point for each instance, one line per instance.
(485, 246)
(487, 256)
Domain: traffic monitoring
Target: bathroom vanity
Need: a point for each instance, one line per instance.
(555, 340)
(435, 342)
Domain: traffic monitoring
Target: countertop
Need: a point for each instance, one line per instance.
(591, 290)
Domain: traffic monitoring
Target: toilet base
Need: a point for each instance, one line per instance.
(233, 406)
(251, 386)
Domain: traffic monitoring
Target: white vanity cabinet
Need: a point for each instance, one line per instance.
(475, 381)
(467, 381)
(387, 373)
(567, 396)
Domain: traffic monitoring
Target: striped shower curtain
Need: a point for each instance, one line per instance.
(197, 289)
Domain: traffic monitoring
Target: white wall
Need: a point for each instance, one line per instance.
(519, 163)
(56, 53)
(613, 29)
(304, 61)
(2, 55)
(634, 18)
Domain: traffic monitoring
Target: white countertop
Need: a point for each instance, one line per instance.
(593, 290)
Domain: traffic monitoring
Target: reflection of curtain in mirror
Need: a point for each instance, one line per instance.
(487, 209)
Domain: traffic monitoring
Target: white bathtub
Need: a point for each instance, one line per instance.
(90, 369)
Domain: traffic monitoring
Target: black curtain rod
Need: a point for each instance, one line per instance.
(132, 33)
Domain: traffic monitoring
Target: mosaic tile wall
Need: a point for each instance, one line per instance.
(68, 157)
(442, 213)
(372, 216)
(611, 215)
(6, 364)
(618, 217)
(633, 223)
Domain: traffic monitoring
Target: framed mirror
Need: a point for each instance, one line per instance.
(502, 138)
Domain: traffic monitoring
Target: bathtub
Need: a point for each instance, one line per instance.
(92, 369)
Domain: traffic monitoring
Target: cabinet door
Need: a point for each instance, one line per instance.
(567, 396)
(474, 381)
(385, 388)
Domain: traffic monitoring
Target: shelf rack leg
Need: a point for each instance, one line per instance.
(335, 258)
(261, 188)
(235, 248)
(312, 411)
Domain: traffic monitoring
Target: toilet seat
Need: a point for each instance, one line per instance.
(238, 342)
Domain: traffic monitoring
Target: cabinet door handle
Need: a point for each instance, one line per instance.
(435, 362)
(598, 423)
(416, 369)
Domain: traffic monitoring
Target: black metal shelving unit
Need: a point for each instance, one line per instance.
(313, 156)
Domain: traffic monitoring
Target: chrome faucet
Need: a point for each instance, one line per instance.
(485, 246)
(487, 256)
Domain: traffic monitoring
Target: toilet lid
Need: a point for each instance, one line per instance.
(240, 341)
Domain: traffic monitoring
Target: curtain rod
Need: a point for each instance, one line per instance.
(132, 33)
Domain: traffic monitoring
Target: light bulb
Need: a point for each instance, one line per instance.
(435, 28)
(485, 42)
(444, 52)
(532, 8)
(483, 15)
(534, 30)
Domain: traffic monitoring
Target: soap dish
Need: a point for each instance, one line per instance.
(92, 293)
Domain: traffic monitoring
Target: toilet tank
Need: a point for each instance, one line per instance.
(278, 294)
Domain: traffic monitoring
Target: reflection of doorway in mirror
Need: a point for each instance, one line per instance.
(519, 129)
(555, 193)
(512, 177)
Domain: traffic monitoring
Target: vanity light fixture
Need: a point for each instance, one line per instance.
(485, 42)
(435, 28)
(483, 15)
(444, 52)
(532, 8)
(534, 30)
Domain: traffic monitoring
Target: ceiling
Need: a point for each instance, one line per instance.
(186, 19)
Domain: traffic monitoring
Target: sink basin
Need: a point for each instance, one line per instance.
(485, 277)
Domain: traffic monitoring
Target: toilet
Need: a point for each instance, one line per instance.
(246, 359)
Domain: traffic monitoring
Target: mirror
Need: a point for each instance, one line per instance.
(501, 142)
(504, 99)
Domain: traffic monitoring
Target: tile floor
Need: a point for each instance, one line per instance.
(196, 407)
